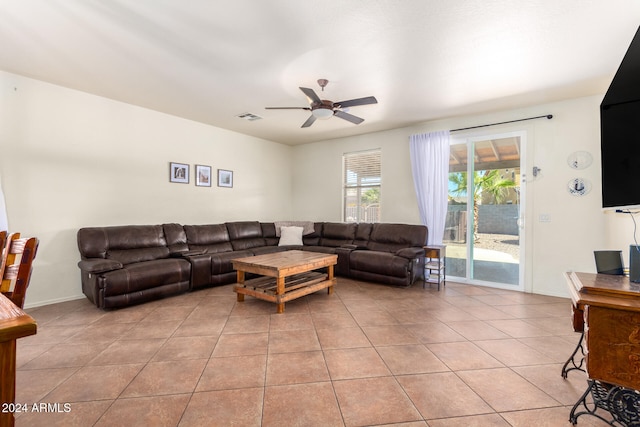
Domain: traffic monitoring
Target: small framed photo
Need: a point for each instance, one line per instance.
(225, 178)
(179, 172)
(203, 176)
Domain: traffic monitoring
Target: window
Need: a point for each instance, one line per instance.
(361, 186)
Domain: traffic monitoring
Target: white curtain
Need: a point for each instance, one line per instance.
(430, 167)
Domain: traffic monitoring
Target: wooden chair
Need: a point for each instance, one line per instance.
(3, 239)
(17, 266)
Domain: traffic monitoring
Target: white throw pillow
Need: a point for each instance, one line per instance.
(290, 236)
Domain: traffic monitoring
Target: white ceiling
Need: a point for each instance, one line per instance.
(210, 60)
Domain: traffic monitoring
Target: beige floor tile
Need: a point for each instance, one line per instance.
(223, 408)
(342, 338)
(163, 378)
(128, 351)
(373, 317)
(512, 352)
(311, 404)
(443, 395)
(371, 401)
(410, 359)
(93, 383)
(518, 328)
(326, 320)
(247, 324)
(293, 341)
(290, 321)
(33, 385)
(296, 368)
(463, 355)
(233, 372)
(66, 356)
(550, 417)
(80, 414)
(505, 390)
(369, 354)
(489, 420)
(160, 411)
(434, 332)
(389, 335)
(547, 378)
(477, 330)
(241, 344)
(194, 327)
(180, 348)
(355, 363)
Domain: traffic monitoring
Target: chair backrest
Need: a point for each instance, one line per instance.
(7, 259)
(18, 260)
(3, 239)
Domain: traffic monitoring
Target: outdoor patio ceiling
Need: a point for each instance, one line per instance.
(501, 153)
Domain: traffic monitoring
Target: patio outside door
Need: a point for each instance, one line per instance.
(483, 228)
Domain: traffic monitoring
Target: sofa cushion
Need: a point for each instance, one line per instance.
(337, 234)
(384, 263)
(363, 234)
(392, 237)
(245, 235)
(290, 236)
(176, 237)
(129, 256)
(96, 242)
(145, 275)
(221, 262)
(212, 238)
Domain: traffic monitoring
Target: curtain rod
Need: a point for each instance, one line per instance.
(548, 116)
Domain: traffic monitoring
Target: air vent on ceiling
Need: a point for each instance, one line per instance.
(249, 116)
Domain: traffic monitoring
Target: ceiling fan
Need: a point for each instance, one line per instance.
(324, 109)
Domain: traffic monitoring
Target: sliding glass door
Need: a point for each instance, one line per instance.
(483, 228)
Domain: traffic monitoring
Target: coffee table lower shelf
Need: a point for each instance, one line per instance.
(296, 286)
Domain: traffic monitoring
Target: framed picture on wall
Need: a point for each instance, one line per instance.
(203, 176)
(179, 172)
(225, 178)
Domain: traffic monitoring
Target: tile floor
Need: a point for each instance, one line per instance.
(367, 355)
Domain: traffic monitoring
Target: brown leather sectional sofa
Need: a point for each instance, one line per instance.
(124, 265)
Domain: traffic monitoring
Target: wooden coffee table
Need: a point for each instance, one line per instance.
(284, 276)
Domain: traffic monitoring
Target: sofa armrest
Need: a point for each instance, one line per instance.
(410, 253)
(99, 265)
(200, 269)
(186, 254)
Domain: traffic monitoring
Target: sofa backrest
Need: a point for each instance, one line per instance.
(176, 237)
(213, 238)
(363, 234)
(245, 235)
(126, 244)
(269, 233)
(391, 237)
(335, 234)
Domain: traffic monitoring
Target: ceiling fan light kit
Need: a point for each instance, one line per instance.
(324, 109)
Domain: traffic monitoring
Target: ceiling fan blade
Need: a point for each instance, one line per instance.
(354, 102)
(311, 94)
(287, 108)
(309, 121)
(348, 117)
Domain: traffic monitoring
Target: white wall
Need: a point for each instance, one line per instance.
(69, 159)
(577, 225)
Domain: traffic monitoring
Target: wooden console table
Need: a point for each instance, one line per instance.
(14, 324)
(607, 310)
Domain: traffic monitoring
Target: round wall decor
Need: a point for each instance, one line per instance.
(578, 187)
(579, 160)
